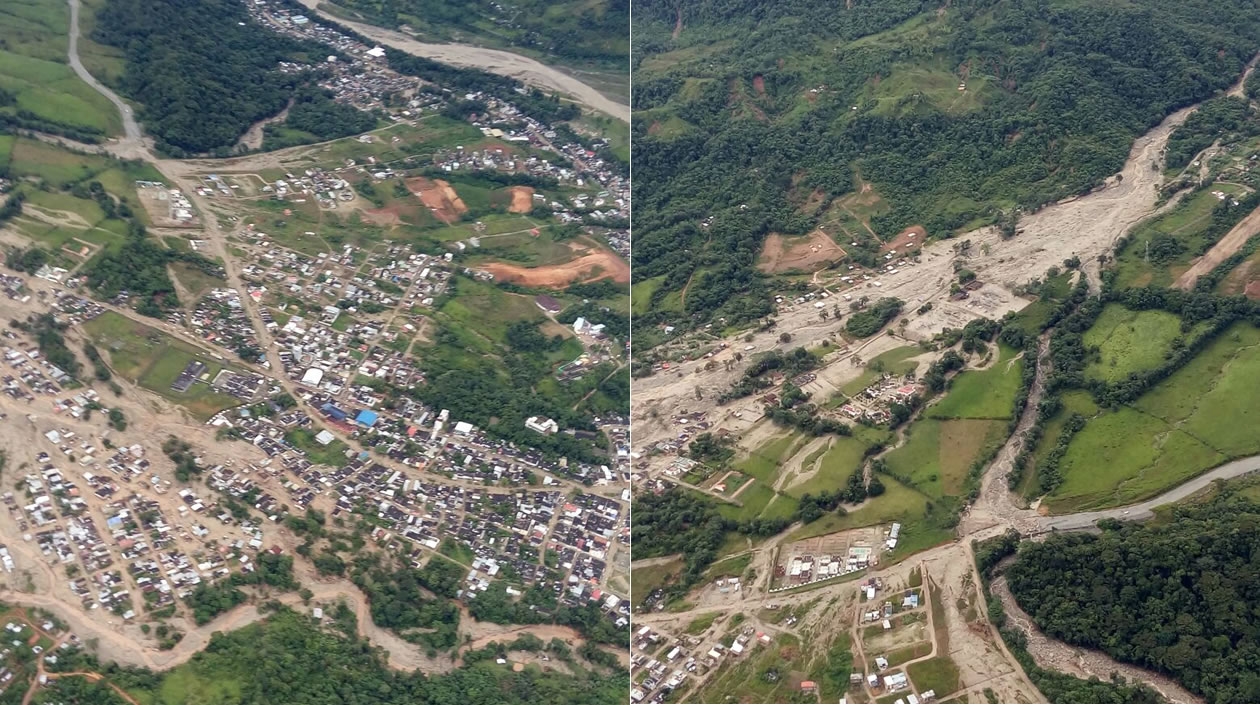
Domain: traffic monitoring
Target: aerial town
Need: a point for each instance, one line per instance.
(161, 464)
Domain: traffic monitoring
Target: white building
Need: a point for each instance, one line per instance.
(544, 426)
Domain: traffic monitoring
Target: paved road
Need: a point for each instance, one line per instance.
(1144, 510)
(131, 128)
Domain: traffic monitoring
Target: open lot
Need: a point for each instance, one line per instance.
(808, 253)
(439, 198)
(588, 264)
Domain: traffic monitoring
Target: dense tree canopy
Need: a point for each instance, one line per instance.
(201, 69)
(1178, 598)
(288, 659)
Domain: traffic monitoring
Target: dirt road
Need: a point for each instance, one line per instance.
(497, 61)
(131, 129)
(1222, 250)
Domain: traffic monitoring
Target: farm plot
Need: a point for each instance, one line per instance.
(1198, 418)
(938, 454)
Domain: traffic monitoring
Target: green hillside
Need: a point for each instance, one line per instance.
(775, 116)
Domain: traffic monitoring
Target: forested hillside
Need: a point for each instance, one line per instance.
(762, 114)
(1179, 598)
(200, 69)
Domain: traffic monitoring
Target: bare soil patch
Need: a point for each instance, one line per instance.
(914, 235)
(759, 84)
(522, 199)
(809, 254)
(438, 196)
(389, 215)
(591, 265)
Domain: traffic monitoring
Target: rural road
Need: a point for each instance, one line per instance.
(503, 63)
(1144, 510)
(131, 129)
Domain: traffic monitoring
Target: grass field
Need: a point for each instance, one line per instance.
(701, 623)
(755, 498)
(153, 360)
(34, 68)
(57, 220)
(731, 567)
(1032, 317)
(939, 453)
(424, 138)
(486, 310)
(839, 461)
(197, 282)
(897, 503)
(901, 92)
(524, 248)
(983, 394)
(759, 500)
(763, 463)
(1130, 341)
(641, 294)
(785, 655)
(1074, 402)
(1185, 224)
(333, 454)
(646, 579)
(60, 167)
(895, 361)
(186, 685)
(939, 674)
(1199, 417)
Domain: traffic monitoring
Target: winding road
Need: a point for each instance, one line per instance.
(131, 129)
